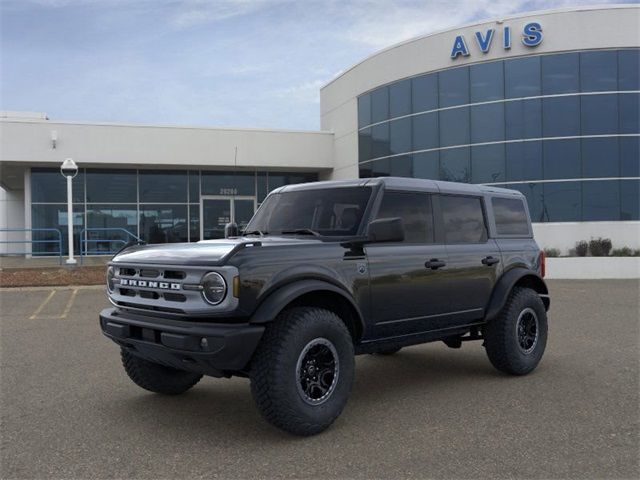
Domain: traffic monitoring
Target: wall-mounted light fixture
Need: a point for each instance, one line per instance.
(54, 138)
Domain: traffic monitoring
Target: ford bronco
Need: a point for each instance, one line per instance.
(325, 271)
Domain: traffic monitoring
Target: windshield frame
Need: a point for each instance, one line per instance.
(362, 227)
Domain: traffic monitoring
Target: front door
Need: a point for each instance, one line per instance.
(216, 211)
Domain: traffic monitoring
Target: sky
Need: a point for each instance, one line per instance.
(242, 63)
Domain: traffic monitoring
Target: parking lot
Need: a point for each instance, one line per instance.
(68, 409)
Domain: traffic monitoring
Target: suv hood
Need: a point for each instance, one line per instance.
(204, 253)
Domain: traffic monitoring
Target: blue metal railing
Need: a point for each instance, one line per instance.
(118, 243)
(57, 241)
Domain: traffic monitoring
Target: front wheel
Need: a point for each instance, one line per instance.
(516, 339)
(157, 378)
(302, 371)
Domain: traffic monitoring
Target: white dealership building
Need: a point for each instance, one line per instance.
(545, 102)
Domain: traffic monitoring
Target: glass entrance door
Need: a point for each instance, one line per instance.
(216, 211)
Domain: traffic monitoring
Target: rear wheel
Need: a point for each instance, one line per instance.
(302, 371)
(157, 378)
(516, 339)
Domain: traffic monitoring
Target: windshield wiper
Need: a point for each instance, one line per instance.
(301, 231)
(255, 232)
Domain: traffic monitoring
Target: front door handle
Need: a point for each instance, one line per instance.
(488, 261)
(434, 264)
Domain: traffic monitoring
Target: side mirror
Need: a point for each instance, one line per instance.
(386, 230)
(231, 230)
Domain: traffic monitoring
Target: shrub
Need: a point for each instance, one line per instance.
(600, 247)
(551, 252)
(636, 253)
(622, 252)
(582, 248)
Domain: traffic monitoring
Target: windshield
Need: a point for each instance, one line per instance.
(327, 212)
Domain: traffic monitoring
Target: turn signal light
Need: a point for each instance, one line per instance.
(236, 286)
(543, 263)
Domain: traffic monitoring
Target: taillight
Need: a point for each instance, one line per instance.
(543, 263)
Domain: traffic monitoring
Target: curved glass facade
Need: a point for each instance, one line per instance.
(561, 128)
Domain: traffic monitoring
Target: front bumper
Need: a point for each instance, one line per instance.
(214, 349)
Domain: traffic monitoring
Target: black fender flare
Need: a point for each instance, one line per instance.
(505, 284)
(273, 304)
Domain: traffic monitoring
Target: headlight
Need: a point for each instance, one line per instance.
(214, 288)
(111, 272)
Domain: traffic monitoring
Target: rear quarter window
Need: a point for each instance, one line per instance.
(511, 216)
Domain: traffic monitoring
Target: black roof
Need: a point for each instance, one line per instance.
(403, 183)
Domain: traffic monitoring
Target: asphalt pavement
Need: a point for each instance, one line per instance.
(69, 410)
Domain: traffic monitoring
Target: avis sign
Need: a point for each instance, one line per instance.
(531, 37)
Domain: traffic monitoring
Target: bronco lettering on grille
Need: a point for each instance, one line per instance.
(145, 283)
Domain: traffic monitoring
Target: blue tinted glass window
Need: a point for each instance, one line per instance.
(163, 223)
(381, 168)
(522, 77)
(424, 92)
(400, 135)
(365, 145)
(629, 112)
(380, 140)
(598, 71)
(53, 216)
(364, 110)
(600, 200)
(630, 156)
(455, 165)
(114, 217)
(425, 131)
(561, 159)
(524, 161)
(629, 69)
(560, 73)
(194, 186)
(533, 194)
(523, 119)
(599, 114)
(487, 81)
(400, 98)
(487, 123)
(262, 186)
(111, 186)
(400, 166)
(194, 222)
(454, 126)
(630, 200)
(163, 186)
(600, 157)
(561, 116)
(364, 170)
(426, 165)
(380, 105)
(454, 87)
(487, 164)
(49, 186)
(562, 202)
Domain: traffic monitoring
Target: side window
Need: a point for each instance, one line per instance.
(415, 211)
(463, 219)
(511, 216)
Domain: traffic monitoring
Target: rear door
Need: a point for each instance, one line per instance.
(474, 258)
(407, 296)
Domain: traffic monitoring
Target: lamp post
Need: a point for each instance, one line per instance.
(69, 169)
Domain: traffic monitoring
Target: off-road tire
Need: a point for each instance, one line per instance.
(274, 370)
(501, 338)
(157, 378)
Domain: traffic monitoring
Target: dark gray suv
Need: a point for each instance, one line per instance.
(325, 271)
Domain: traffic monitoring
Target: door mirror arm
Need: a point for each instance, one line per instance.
(379, 230)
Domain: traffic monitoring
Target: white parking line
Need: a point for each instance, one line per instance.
(69, 303)
(42, 305)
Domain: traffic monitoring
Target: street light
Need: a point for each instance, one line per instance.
(69, 169)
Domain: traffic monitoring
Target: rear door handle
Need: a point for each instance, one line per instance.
(488, 261)
(434, 264)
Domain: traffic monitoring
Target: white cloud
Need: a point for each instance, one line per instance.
(197, 12)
